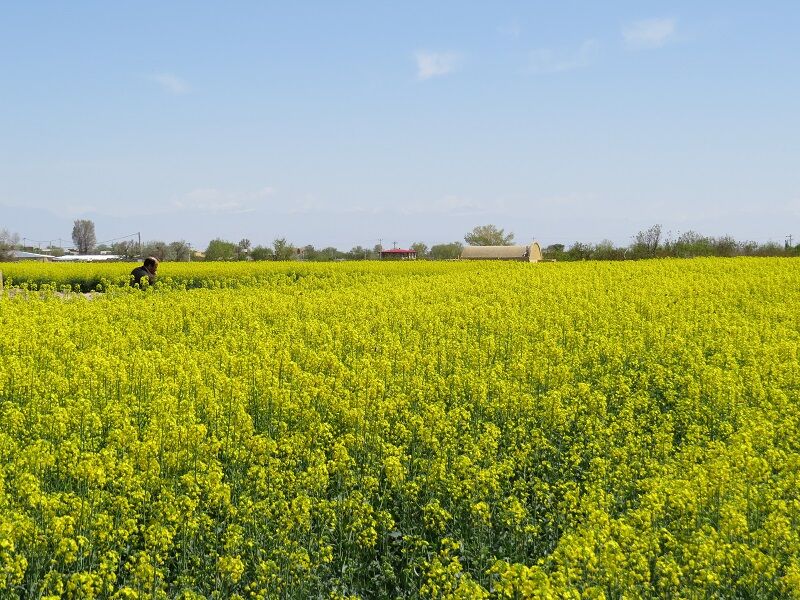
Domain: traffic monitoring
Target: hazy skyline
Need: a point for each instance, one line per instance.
(345, 123)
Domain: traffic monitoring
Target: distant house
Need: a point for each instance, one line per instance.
(399, 254)
(532, 253)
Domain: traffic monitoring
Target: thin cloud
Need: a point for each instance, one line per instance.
(649, 33)
(172, 84)
(546, 60)
(435, 64)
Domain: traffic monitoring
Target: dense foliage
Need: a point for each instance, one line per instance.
(437, 430)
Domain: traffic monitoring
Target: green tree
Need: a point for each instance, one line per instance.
(242, 249)
(310, 253)
(8, 242)
(690, 244)
(579, 251)
(606, 250)
(283, 249)
(221, 250)
(155, 248)
(646, 243)
(554, 252)
(179, 251)
(330, 253)
(262, 253)
(125, 249)
(358, 253)
(446, 251)
(488, 235)
(727, 246)
(421, 248)
(83, 235)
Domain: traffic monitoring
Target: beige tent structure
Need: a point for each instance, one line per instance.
(532, 253)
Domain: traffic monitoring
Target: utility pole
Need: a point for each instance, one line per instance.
(139, 233)
(789, 237)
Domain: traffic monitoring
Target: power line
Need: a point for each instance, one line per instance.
(60, 239)
(124, 237)
(26, 239)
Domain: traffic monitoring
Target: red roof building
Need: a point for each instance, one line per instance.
(399, 254)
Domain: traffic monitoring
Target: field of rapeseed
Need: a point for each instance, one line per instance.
(429, 430)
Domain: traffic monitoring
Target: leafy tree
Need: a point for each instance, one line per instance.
(83, 235)
(690, 244)
(126, 249)
(330, 253)
(579, 251)
(554, 252)
(646, 243)
(446, 251)
(8, 241)
(749, 248)
(727, 246)
(358, 253)
(155, 248)
(488, 235)
(242, 249)
(179, 251)
(420, 248)
(262, 253)
(770, 249)
(606, 250)
(310, 253)
(283, 249)
(219, 249)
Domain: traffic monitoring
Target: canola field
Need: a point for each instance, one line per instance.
(427, 430)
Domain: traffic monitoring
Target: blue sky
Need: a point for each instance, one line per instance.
(342, 123)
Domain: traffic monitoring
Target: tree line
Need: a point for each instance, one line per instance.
(655, 243)
(648, 243)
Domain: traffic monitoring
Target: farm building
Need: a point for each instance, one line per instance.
(399, 254)
(531, 253)
(22, 255)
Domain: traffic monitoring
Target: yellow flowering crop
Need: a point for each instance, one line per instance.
(372, 430)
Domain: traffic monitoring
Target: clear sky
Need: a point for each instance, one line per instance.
(345, 123)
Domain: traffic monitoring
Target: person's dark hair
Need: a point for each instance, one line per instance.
(151, 261)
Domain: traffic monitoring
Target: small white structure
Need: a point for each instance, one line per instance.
(532, 253)
(87, 257)
(23, 255)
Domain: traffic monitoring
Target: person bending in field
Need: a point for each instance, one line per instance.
(147, 270)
